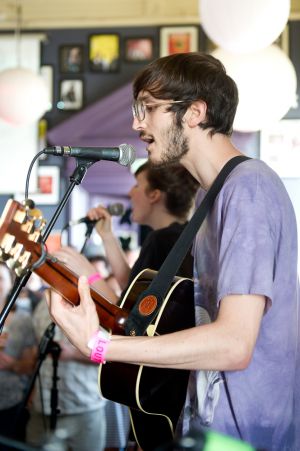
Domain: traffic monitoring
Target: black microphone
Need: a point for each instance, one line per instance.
(123, 154)
(113, 209)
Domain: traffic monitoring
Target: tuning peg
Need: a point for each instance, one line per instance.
(28, 204)
(31, 210)
(7, 243)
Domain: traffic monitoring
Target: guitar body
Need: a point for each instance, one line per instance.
(155, 396)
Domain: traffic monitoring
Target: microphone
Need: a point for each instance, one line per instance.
(123, 154)
(113, 209)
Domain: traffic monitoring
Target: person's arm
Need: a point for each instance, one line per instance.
(19, 352)
(79, 264)
(6, 361)
(225, 344)
(22, 365)
(26, 363)
(113, 251)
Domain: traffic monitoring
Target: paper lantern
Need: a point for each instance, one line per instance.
(23, 96)
(267, 85)
(244, 26)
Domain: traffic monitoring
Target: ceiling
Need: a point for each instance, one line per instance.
(45, 14)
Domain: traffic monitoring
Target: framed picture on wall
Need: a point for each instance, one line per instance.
(178, 40)
(47, 188)
(70, 94)
(71, 59)
(104, 53)
(138, 49)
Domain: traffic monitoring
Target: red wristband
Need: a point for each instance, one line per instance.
(93, 278)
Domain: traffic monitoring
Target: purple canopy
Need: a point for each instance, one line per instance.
(106, 123)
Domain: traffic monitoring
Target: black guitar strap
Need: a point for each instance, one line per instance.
(150, 300)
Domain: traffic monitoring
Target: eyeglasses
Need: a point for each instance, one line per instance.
(139, 108)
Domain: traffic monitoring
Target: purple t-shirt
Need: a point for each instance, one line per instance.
(248, 245)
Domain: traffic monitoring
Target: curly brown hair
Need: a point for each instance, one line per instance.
(176, 182)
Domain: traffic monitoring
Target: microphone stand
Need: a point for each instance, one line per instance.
(55, 351)
(76, 178)
(46, 345)
(89, 229)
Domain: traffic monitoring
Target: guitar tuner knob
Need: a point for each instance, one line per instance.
(12, 264)
(28, 203)
(28, 227)
(7, 243)
(20, 271)
(3, 256)
(36, 214)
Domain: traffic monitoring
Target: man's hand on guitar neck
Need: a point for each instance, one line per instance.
(80, 322)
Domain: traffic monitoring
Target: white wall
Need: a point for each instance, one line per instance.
(18, 144)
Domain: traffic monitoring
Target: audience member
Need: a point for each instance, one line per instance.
(16, 343)
(160, 202)
(81, 408)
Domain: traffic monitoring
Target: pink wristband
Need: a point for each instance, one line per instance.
(93, 278)
(99, 344)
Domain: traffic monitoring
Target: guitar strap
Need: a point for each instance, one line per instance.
(150, 300)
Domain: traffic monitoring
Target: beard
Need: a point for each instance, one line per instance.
(177, 145)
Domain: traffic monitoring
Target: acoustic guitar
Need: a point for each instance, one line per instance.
(155, 396)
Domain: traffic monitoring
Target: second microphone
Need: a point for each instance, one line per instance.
(116, 209)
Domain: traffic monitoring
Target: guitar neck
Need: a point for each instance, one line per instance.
(62, 280)
(20, 244)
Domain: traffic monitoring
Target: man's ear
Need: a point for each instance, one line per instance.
(154, 196)
(196, 113)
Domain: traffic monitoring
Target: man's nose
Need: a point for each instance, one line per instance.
(137, 124)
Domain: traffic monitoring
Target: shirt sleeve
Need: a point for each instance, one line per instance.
(246, 244)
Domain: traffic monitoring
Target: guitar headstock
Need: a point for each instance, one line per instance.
(20, 236)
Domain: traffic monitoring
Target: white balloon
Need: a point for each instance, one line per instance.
(242, 26)
(23, 96)
(267, 84)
